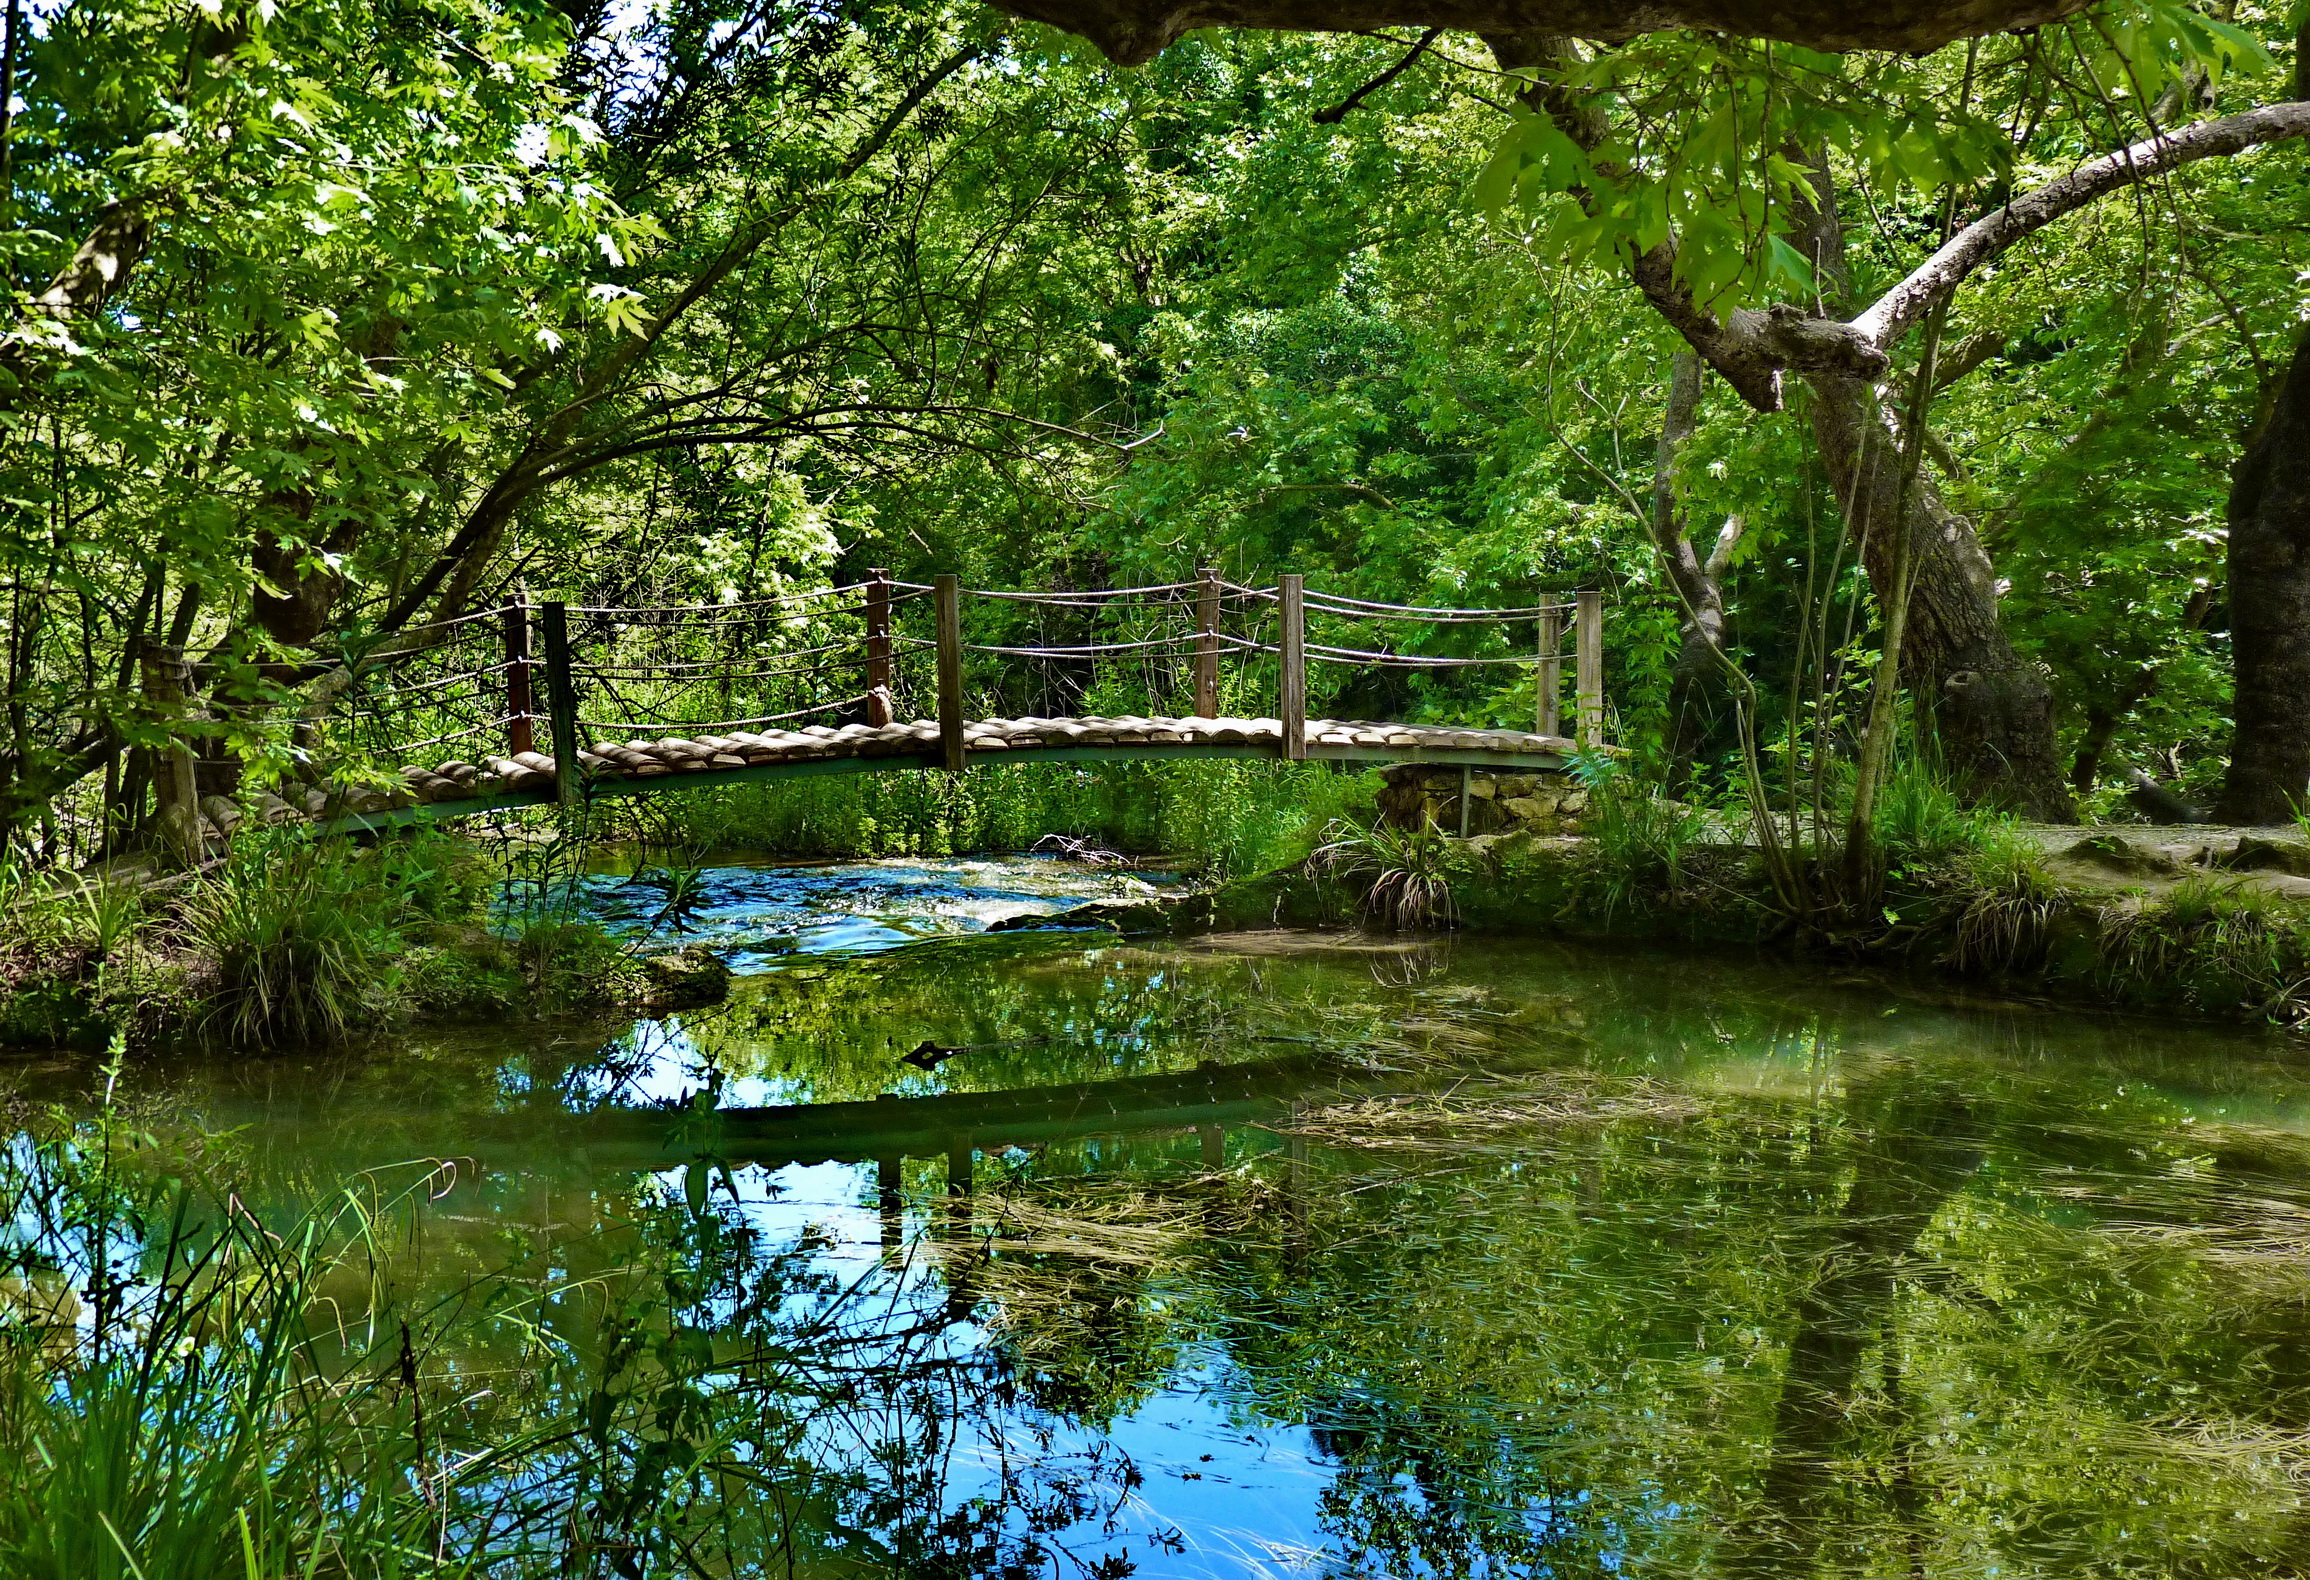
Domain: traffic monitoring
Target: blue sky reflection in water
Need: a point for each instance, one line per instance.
(755, 912)
(1595, 1262)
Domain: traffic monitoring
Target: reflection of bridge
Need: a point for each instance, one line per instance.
(896, 1127)
(629, 700)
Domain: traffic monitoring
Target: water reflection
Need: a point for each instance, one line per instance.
(1502, 1258)
(757, 912)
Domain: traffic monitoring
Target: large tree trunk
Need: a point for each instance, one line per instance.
(1991, 708)
(2269, 583)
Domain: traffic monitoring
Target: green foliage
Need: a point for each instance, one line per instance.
(306, 935)
(1700, 151)
(1237, 818)
(1640, 844)
(1404, 876)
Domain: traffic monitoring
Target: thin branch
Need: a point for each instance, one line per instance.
(1339, 112)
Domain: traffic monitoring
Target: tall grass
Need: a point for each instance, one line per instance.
(1236, 817)
(305, 935)
(186, 1392)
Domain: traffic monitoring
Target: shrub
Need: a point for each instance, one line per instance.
(1405, 875)
(306, 935)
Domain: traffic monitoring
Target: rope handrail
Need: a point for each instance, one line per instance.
(1100, 594)
(460, 678)
(398, 632)
(1352, 655)
(1085, 650)
(721, 608)
(712, 619)
(1448, 617)
(1439, 612)
(645, 671)
(453, 735)
(730, 724)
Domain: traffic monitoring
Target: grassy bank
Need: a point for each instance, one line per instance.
(2219, 930)
(1230, 817)
(288, 939)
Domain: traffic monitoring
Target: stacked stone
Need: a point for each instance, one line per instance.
(1538, 803)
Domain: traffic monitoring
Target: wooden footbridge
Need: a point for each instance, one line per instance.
(532, 704)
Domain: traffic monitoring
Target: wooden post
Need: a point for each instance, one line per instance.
(889, 1202)
(1292, 706)
(947, 595)
(1551, 672)
(561, 704)
(176, 789)
(878, 711)
(1588, 669)
(521, 729)
(1467, 795)
(1207, 643)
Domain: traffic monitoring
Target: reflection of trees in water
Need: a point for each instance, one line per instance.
(1910, 1311)
(1934, 1320)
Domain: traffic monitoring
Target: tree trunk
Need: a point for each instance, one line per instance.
(1992, 709)
(2269, 561)
(1699, 584)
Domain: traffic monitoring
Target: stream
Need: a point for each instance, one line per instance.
(1322, 1254)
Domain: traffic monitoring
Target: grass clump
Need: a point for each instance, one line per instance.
(2211, 946)
(305, 937)
(2008, 906)
(1403, 878)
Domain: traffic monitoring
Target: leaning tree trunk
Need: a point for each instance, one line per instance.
(2269, 585)
(1991, 708)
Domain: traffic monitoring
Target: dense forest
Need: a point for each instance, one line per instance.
(338, 319)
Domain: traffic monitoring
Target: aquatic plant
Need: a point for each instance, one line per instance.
(1404, 876)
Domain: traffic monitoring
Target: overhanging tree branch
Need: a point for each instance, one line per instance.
(1907, 303)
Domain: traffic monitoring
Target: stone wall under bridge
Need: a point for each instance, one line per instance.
(1547, 803)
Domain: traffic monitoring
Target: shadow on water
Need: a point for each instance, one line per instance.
(1282, 1254)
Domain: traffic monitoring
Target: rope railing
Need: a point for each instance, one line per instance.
(531, 676)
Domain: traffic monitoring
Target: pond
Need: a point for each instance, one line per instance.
(1296, 1253)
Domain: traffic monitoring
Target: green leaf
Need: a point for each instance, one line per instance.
(1496, 182)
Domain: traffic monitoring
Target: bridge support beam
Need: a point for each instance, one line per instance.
(947, 595)
(878, 705)
(1588, 666)
(1207, 643)
(1291, 706)
(561, 704)
(1550, 674)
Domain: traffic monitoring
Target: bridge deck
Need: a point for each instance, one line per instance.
(633, 767)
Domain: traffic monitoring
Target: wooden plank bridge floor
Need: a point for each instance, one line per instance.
(457, 789)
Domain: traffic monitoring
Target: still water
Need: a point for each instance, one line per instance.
(1324, 1255)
